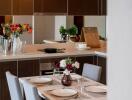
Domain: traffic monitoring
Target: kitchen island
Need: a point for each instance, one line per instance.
(29, 61)
(33, 51)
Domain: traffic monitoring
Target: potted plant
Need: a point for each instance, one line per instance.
(73, 32)
(63, 33)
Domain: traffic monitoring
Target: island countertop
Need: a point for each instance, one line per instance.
(32, 51)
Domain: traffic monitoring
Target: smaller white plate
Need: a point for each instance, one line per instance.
(41, 80)
(64, 92)
(87, 48)
(96, 89)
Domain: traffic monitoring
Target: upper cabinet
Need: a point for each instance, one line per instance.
(103, 7)
(53, 7)
(87, 7)
(5, 7)
(83, 7)
(38, 6)
(50, 7)
(22, 7)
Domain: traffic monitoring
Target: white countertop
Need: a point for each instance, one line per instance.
(31, 51)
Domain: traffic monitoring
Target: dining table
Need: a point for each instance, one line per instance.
(81, 88)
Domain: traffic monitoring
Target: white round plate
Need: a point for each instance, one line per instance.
(40, 80)
(75, 77)
(96, 89)
(64, 92)
(87, 48)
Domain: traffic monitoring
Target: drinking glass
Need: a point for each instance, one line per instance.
(56, 72)
(80, 84)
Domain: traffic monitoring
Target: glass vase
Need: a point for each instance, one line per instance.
(56, 72)
(66, 79)
(17, 45)
(6, 46)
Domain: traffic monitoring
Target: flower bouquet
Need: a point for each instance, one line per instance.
(10, 34)
(8, 31)
(69, 65)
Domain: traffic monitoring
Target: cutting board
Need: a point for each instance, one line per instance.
(90, 36)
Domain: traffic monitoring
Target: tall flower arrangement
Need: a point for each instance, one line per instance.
(10, 34)
(9, 30)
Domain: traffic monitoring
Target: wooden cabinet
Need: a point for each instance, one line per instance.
(50, 6)
(28, 68)
(23, 68)
(5, 7)
(53, 7)
(103, 7)
(38, 6)
(22, 7)
(83, 7)
(101, 61)
(6, 66)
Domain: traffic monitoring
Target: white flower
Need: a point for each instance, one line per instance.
(76, 65)
(63, 63)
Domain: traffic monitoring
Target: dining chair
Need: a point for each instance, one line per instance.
(14, 87)
(91, 71)
(30, 91)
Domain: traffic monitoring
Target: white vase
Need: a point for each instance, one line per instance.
(17, 45)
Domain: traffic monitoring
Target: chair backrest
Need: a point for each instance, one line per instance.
(31, 92)
(14, 87)
(92, 71)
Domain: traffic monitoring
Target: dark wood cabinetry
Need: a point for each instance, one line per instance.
(101, 61)
(83, 7)
(5, 7)
(28, 68)
(38, 6)
(50, 6)
(53, 7)
(22, 7)
(103, 7)
(21, 68)
(6, 66)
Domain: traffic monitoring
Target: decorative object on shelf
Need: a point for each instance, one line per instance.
(12, 32)
(73, 33)
(7, 44)
(69, 34)
(69, 65)
(63, 33)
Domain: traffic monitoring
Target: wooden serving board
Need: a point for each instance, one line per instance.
(90, 36)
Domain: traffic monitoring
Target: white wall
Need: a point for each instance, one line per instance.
(25, 20)
(69, 21)
(119, 30)
(59, 20)
(96, 21)
(44, 28)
